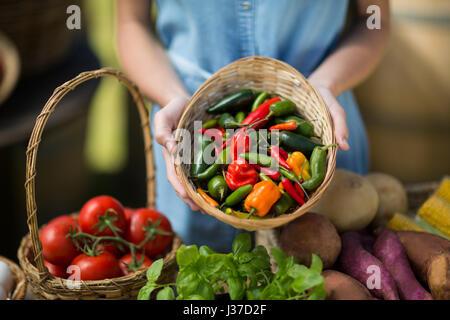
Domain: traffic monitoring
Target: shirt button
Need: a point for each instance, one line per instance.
(246, 5)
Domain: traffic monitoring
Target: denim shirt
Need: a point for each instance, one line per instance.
(202, 36)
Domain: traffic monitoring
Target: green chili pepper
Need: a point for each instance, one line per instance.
(238, 195)
(234, 101)
(210, 124)
(223, 158)
(264, 177)
(217, 187)
(289, 174)
(282, 108)
(240, 116)
(303, 127)
(226, 121)
(258, 158)
(242, 215)
(284, 204)
(297, 142)
(318, 165)
(199, 165)
(259, 99)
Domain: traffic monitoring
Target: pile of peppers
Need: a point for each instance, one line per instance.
(256, 185)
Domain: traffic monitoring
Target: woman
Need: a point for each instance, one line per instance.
(200, 36)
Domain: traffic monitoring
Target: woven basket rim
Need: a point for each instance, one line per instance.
(267, 223)
(20, 284)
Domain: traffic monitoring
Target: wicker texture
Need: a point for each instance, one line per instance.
(20, 284)
(270, 75)
(42, 283)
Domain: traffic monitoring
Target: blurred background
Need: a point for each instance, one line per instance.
(92, 143)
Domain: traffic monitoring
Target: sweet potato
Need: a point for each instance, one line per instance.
(339, 286)
(390, 251)
(366, 268)
(308, 234)
(421, 247)
(439, 276)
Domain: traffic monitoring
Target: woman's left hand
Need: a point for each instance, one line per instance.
(337, 114)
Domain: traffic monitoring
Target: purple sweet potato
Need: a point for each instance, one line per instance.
(366, 268)
(391, 253)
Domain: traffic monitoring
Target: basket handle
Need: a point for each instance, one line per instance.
(35, 139)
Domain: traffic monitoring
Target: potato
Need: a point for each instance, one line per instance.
(350, 202)
(439, 276)
(308, 234)
(339, 286)
(392, 197)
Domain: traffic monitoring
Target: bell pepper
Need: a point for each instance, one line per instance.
(263, 196)
(258, 118)
(207, 198)
(240, 173)
(300, 165)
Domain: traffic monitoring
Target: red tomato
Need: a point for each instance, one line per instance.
(102, 266)
(128, 213)
(147, 262)
(57, 271)
(136, 233)
(56, 247)
(97, 207)
(111, 248)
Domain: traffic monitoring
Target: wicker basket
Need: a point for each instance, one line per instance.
(30, 256)
(20, 285)
(417, 194)
(266, 74)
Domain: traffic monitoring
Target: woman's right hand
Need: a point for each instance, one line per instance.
(165, 122)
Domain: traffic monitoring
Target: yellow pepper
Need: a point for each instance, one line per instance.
(297, 161)
(263, 196)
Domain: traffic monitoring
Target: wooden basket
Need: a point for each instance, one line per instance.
(270, 75)
(20, 285)
(42, 283)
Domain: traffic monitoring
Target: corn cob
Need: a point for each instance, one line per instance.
(401, 222)
(436, 212)
(444, 190)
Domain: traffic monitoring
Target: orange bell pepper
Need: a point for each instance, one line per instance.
(263, 196)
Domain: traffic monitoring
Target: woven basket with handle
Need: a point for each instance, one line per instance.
(30, 256)
(265, 74)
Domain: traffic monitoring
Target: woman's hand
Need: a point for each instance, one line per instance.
(337, 114)
(165, 122)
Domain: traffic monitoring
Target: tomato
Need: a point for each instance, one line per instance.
(127, 259)
(97, 207)
(55, 270)
(57, 248)
(128, 213)
(111, 248)
(136, 233)
(102, 266)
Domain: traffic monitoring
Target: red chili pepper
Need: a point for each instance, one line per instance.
(272, 174)
(299, 189)
(275, 152)
(287, 185)
(240, 173)
(282, 153)
(240, 143)
(215, 133)
(260, 113)
(288, 126)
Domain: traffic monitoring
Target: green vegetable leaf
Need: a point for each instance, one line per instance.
(242, 243)
(144, 293)
(316, 264)
(187, 255)
(195, 297)
(297, 270)
(306, 281)
(212, 264)
(165, 294)
(279, 256)
(236, 288)
(154, 271)
(205, 251)
(318, 292)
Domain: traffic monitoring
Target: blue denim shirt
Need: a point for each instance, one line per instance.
(202, 36)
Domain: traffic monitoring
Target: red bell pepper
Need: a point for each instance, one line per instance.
(240, 173)
(257, 117)
(275, 152)
(272, 174)
(290, 189)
